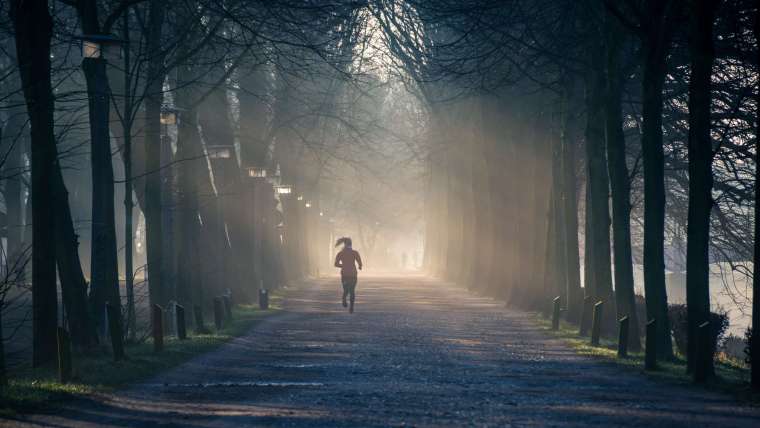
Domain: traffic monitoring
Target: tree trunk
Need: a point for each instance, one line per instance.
(755, 345)
(655, 46)
(621, 189)
(73, 284)
(104, 272)
(153, 100)
(571, 251)
(702, 56)
(597, 189)
(33, 26)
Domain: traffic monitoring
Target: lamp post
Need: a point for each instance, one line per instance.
(96, 49)
(258, 196)
(167, 118)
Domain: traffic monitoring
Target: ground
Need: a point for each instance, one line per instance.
(417, 352)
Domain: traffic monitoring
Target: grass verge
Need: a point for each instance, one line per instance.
(37, 389)
(731, 376)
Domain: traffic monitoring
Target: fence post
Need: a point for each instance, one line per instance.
(227, 308)
(555, 313)
(623, 337)
(650, 353)
(158, 328)
(703, 350)
(114, 330)
(64, 355)
(218, 313)
(200, 327)
(596, 323)
(585, 315)
(179, 312)
(263, 299)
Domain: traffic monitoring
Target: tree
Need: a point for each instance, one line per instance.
(702, 17)
(34, 27)
(620, 185)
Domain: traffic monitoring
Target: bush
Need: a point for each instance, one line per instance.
(748, 347)
(679, 324)
(733, 346)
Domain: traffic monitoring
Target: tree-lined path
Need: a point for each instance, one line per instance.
(418, 352)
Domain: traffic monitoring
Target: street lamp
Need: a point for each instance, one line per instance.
(256, 172)
(300, 198)
(97, 46)
(308, 204)
(168, 116)
(283, 189)
(219, 151)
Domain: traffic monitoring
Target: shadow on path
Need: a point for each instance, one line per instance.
(417, 352)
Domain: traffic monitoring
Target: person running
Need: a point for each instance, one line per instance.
(346, 260)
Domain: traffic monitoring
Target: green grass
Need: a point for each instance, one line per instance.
(34, 388)
(732, 377)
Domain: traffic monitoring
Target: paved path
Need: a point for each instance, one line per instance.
(416, 353)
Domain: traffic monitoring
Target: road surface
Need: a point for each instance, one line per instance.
(416, 353)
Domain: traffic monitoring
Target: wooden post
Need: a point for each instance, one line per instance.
(585, 315)
(227, 308)
(555, 313)
(703, 349)
(114, 330)
(158, 328)
(650, 353)
(623, 337)
(263, 299)
(64, 355)
(218, 313)
(200, 327)
(179, 312)
(596, 323)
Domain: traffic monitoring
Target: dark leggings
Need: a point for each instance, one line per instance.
(349, 288)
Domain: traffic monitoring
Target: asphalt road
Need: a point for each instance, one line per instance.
(417, 352)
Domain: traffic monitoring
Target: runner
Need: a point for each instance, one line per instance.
(346, 260)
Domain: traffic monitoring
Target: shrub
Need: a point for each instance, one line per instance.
(733, 346)
(748, 346)
(679, 324)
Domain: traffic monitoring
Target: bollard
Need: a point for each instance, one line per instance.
(227, 308)
(157, 317)
(114, 330)
(263, 299)
(585, 315)
(555, 314)
(200, 327)
(218, 313)
(650, 353)
(64, 355)
(623, 337)
(703, 350)
(179, 314)
(596, 323)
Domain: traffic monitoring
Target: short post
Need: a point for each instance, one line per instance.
(114, 330)
(650, 353)
(157, 318)
(64, 355)
(596, 323)
(227, 308)
(555, 313)
(623, 337)
(218, 313)
(200, 327)
(585, 315)
(263, 299)
(703, 349)
(179, 313)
